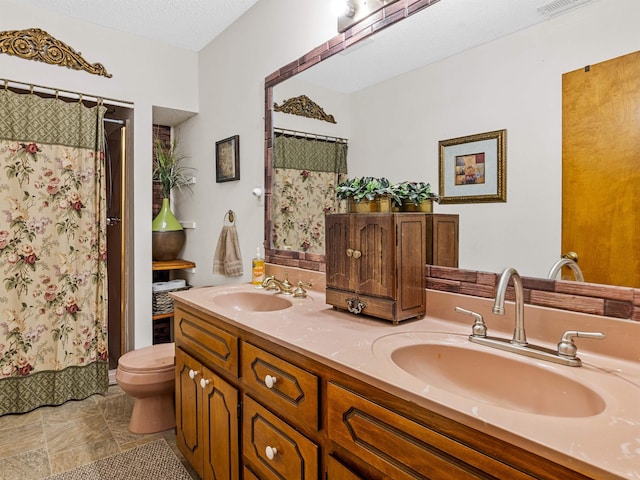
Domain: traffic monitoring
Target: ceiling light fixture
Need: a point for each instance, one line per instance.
(343, 8)
(352, 11)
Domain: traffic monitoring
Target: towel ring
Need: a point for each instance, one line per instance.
(230, 217)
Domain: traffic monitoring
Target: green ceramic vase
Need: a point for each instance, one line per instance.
(168, 236)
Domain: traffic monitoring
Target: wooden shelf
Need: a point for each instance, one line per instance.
(176, 264)
(160, 316)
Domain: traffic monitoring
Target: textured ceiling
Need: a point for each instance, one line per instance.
(188, 24)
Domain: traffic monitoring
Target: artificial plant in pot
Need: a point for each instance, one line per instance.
(413, 196)
(170, 171)
(366, 194)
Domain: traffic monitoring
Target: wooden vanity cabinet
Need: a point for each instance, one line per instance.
(301, 418)
(376, 264)
(207, 406)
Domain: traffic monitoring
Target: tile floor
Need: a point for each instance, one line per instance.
(50, 440)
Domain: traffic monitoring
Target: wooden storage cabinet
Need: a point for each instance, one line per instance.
(376, 264)
(207, 406)
(316, 421)
(206, 420)
(442, 240)
(402, 448)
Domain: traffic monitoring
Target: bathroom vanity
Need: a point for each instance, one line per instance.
(270, 387)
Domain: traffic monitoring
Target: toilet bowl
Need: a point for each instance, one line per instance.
(148, 375)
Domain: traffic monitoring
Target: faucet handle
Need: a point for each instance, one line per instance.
(299, 291)
(479, 328)
(568, 349)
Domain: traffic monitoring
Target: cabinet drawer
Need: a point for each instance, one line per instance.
(402, 448)
(294, 391)
(208, 342)
(384, 308)
(293, 456)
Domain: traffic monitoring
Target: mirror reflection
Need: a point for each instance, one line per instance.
(456, 69)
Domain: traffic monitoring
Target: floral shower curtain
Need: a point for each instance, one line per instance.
(306, 174)
(53, 291)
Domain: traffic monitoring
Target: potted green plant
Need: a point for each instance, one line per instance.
(366, 194)
(169, 170)
(413, 196)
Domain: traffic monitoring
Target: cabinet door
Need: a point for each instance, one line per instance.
(442, 240)
(337, 243)
(219, 424)
(337, 471)
(373, 237)
(188, 404)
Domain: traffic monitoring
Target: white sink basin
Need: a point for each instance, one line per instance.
(453, 364)
(252, 301)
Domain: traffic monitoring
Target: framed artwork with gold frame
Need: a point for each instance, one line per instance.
(473, 168)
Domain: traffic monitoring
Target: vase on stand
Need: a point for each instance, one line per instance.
(168, 236)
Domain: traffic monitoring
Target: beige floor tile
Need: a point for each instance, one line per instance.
(72, 409)
(81, 454)
(26, 466)
(22, 439)
(84, 430)
(19, 420)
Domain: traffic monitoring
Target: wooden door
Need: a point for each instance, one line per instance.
(220, 428)
(374, 236)
(337, 242)
(188, 405)
(601, 169)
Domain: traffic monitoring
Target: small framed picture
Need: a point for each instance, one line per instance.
(473, 168)
(228, 159)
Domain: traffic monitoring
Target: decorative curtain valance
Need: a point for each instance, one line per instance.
(36, 44)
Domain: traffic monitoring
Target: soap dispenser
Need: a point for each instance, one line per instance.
(257, 268)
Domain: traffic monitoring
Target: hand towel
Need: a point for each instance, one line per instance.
(227, 259)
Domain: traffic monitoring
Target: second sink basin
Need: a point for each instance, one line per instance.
(252, 301)
(494, 378)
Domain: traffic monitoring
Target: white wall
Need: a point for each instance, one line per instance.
(232, 73)
(146, 73)
(519, 89)
(514, 83)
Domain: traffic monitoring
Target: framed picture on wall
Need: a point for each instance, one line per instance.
(473, 168)
(228, 159)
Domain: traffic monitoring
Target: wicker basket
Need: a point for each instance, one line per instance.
(162, 302)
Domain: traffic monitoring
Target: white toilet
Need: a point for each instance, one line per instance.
(148, 375)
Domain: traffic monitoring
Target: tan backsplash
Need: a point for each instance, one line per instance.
(312, 280)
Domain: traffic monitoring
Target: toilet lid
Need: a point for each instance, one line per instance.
(155, 357)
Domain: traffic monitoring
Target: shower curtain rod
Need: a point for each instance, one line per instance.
(296, 133)
(113, 120)
(57, 91)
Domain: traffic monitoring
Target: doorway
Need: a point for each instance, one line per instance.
(117, 149)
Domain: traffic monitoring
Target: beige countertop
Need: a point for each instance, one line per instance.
(603, 445)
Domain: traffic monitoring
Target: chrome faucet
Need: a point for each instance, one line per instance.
(566, 262)
(519, 335)
(566, 352)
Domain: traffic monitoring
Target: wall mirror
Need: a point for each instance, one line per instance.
(451, 27)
